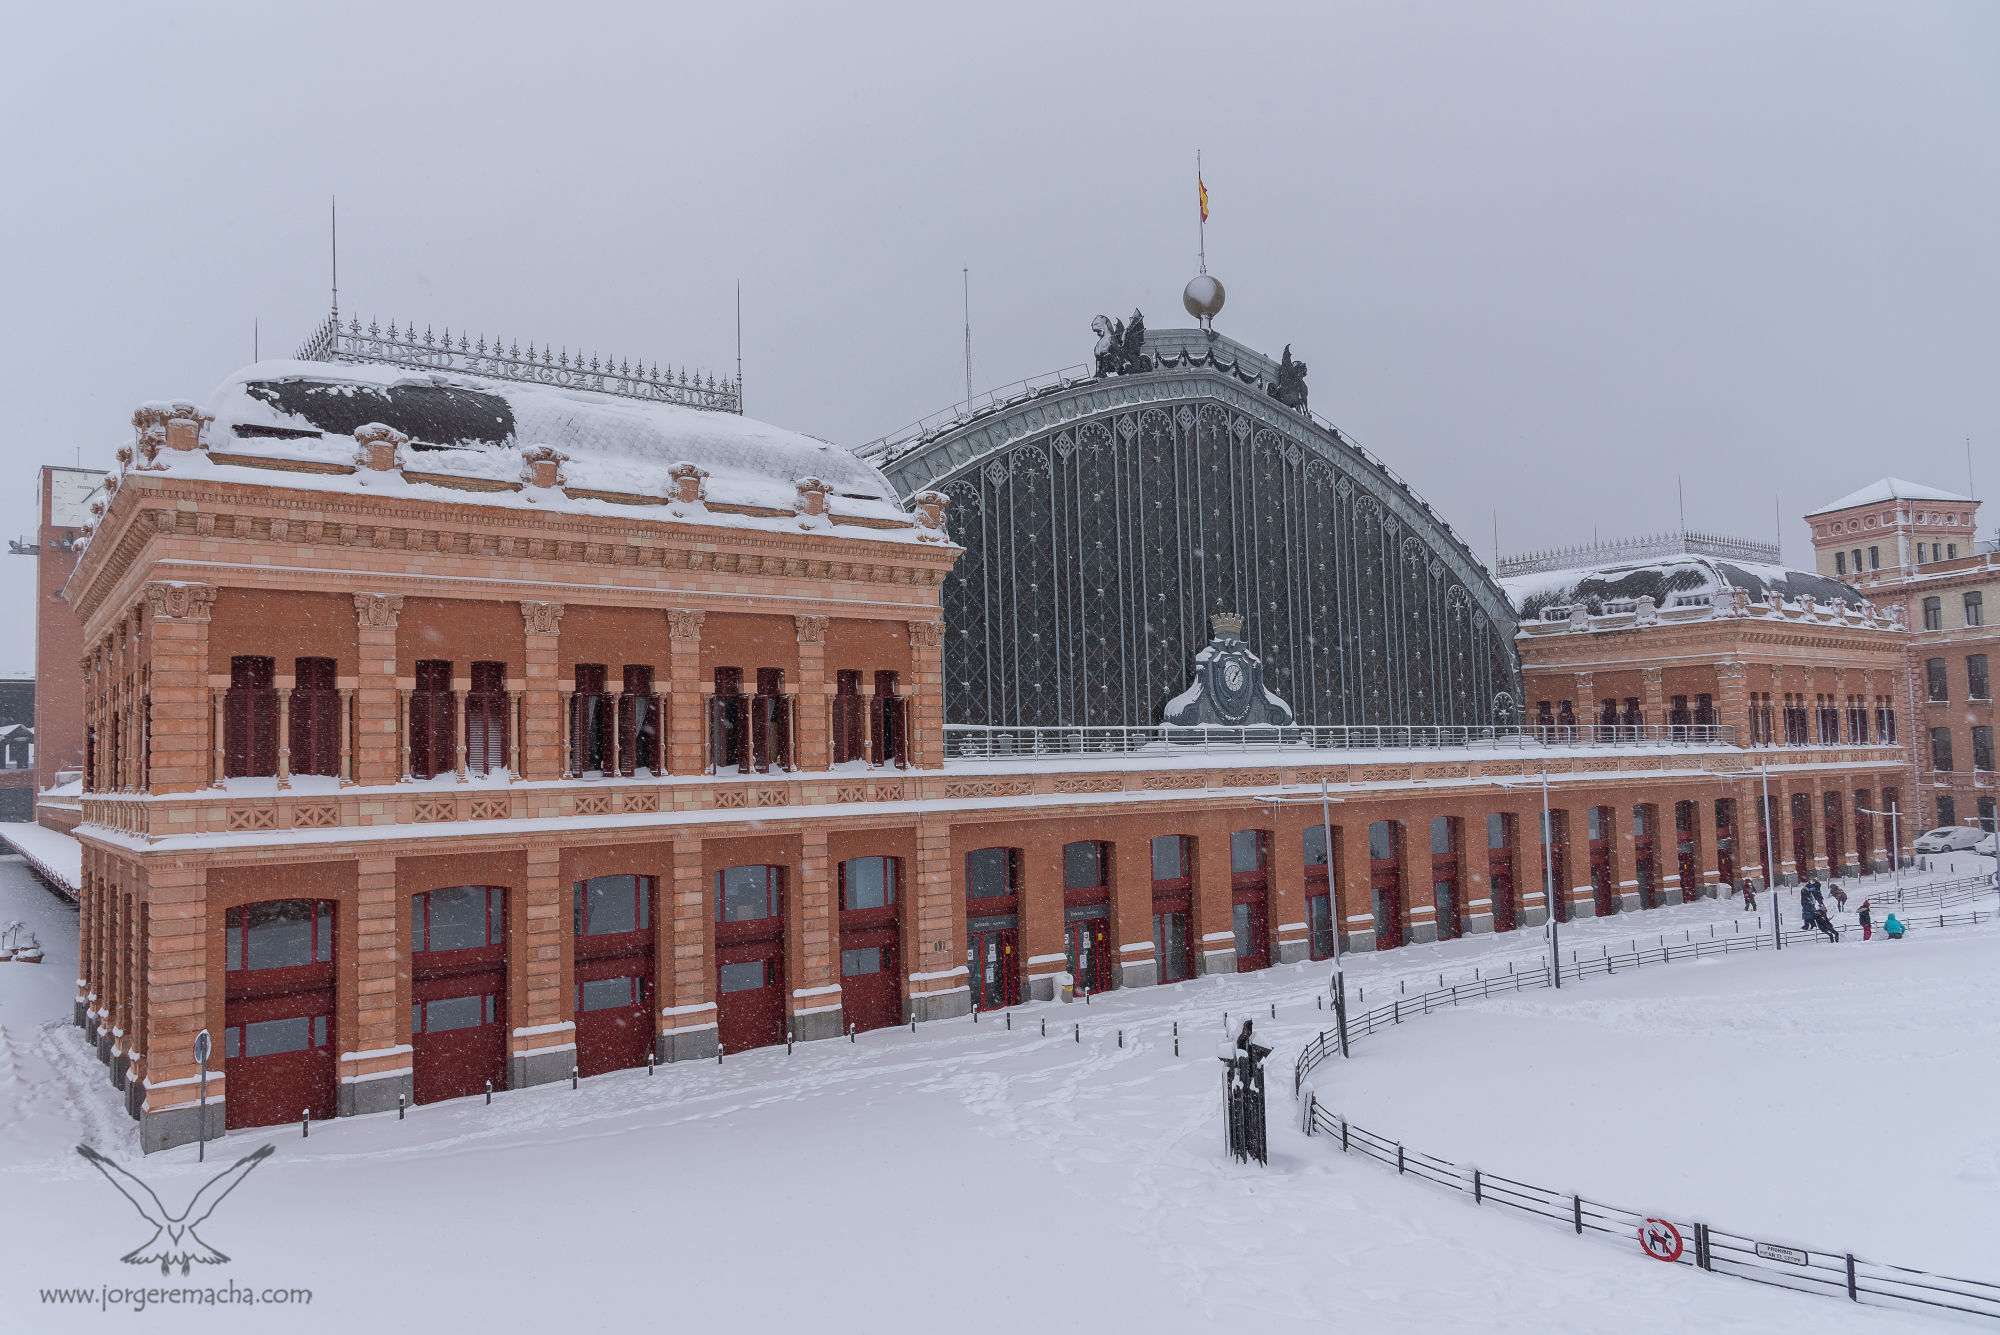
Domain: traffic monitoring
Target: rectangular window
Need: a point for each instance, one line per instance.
(269, 1038)
(1444, 835)
(746, 894)
(1241, 921)
(1246, 851)
(1934, 678)
(1170, 858)
(745, 977)
(1874, 558)
(854, 963)
(449, 1013)
(1975, 609)
(610, 905)
(1381, 840)
(1594, 819)
(1941, 750)
(1840, 563)
(867, 883)
(991, 873)
(606, 994)
(463, 917)
(1170, 945)
(1933, 614)
(278, 934)
(1976, 684)
(1083, 865)
(1319, 918)
(1947, 811)
(1982, 747)
(1497, 835)
(1315, 845)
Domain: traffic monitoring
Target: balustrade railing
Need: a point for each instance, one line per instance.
(988, 742)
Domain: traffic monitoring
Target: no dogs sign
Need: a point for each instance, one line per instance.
(1661, 1240)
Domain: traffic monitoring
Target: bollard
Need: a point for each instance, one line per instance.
(575, 1074)
(1121, 1038)
(913, 1022)
(1274, 1010)
(305, 1122)
(718, 1051)
(1177, 1044)
(1321, 1000)
(1045, 1026)
(649, 1068)
(975, 1015)
(1079, 1033)
(489, 1093)
(850, 1031)
(399, 1107)
(788, 1042)
(1010, 1022)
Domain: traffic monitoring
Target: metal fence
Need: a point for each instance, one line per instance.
(1680, 1242)
(1685, 1242)
(966, 741)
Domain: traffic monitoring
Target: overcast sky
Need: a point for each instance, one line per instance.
(1544, 258)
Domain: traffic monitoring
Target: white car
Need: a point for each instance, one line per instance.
(1990, 845)
(1950, 839)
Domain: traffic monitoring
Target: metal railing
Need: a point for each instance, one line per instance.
(1679, 1242)
(966, 741)
(1686, 1242)
(335, 342)
(965, 410)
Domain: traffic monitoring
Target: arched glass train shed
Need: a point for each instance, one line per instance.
(1105, 518)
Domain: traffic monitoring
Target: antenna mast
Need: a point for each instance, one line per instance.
(965, 276)
(334, 235)
(739, 347)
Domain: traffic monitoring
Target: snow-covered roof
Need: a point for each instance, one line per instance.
(1682, 579)
(475, 429)
(1888, 489)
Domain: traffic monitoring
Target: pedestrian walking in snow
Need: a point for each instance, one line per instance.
(1825, 925)
(1809, 901)
(1839, 897)
(1749, 893)
(1867, 921)
(1892, 928)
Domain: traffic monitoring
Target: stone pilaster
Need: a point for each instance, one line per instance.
(812, 745)
(687, 715)
(927, 694)
(542, 1042)
(687, 992)
(372, 1000)
(181, 744)
(184, 997)
(812, 951)
(544, 711)
(1132, 913)
(378, 718)
(939, 985)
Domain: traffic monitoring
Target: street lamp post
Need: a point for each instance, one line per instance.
(1771, 858)
(1548, 879)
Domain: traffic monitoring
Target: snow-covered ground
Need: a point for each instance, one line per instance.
(984, 1179)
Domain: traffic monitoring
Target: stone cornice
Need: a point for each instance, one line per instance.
(237, 525)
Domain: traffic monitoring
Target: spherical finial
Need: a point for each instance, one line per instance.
(1203, 297)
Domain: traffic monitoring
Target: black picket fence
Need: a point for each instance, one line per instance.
(1680, 1242)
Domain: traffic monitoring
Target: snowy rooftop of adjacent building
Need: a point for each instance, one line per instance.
(1671, 582)
(464, 428)
(1888, 489)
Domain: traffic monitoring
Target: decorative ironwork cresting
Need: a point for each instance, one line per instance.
(351, 342)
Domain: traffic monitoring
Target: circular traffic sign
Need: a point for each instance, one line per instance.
(1661, 1240)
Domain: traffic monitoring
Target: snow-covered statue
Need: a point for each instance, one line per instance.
(1228, 687)
(1120, 345)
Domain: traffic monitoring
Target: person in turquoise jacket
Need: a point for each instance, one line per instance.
(1892, 927)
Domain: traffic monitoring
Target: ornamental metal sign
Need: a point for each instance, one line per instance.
(1771, 1251)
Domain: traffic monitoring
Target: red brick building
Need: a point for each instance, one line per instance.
(1916, 552)
(446, 730)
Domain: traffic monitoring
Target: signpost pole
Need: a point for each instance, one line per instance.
(202, 1047)
(1333, 914)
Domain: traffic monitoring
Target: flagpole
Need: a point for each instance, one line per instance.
(1204, 212)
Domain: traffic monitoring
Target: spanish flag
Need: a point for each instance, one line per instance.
(1202, 189)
